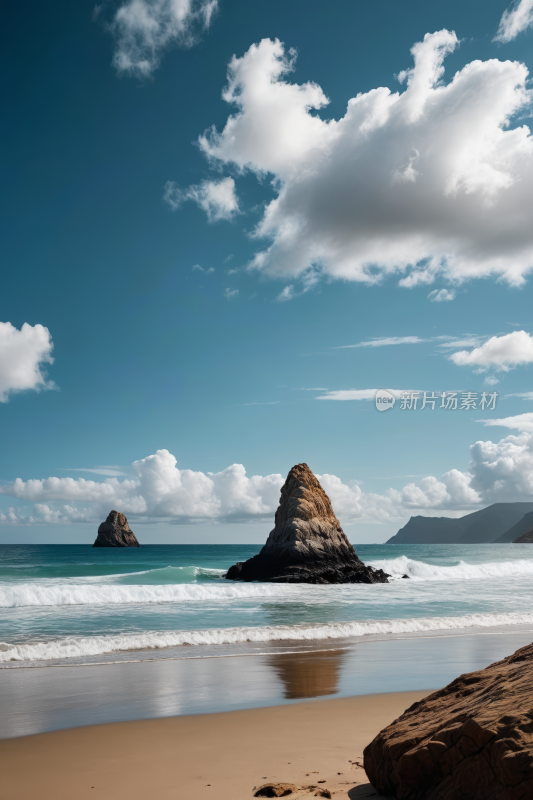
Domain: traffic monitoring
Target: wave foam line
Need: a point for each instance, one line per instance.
(421, 571)
(76, 647)
(34, 594)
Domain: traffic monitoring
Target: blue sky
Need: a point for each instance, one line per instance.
(167, 336)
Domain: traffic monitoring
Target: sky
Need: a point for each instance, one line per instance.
(226, 226)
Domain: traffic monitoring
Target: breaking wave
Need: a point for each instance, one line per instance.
(76, 647)
(199, 584)
(421, 571)
(35, 594)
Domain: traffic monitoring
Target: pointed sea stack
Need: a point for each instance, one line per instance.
(307, 544)
(115, 532)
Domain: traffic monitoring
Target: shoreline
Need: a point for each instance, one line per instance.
(36, 700)
(244, 650)
(221, 755)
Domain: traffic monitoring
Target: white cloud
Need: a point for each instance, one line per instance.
(198, 268)
(286, 294)
(501, 352)
(525, 395)
(520, 422)
(144, 29)
(22, 357)
(338, 206)
(503, 471)
(516, 19)
(357, 394)
(231, 294)
(498, 472)
(385, 341)
(216, 198)
(441, 295)
(469, 341)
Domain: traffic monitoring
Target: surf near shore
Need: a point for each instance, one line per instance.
(222, 756)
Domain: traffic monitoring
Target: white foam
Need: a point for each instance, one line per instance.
(76, 647)
(421, 571)
(102, 591)
(37, 594)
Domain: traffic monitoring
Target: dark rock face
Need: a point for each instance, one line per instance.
(473, 740)
(307, 544)
(526, 538)
(115, 532)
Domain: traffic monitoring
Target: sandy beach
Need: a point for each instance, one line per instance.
(222, 756)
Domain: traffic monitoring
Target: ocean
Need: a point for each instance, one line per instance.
(72, 604)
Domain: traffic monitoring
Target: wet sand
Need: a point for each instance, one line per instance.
(222, 756)
(45, 698)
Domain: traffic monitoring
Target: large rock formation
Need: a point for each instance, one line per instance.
(307, 544)
(526, 538)
(115, 532)
(473, 740)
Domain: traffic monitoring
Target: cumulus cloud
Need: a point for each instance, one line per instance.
(160, 490)
(498, 472)
(441, 295)
(459, 209)
(23, 354)
(144, 29)
(231, 294)
(216, 198)
(516, 19)
(501, 352)
(503, 471)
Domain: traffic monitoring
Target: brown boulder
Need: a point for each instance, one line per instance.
(115, 532)
(307, 544)
(473, 740)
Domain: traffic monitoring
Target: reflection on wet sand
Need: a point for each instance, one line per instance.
(312, 674)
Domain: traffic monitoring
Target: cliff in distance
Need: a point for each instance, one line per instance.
(492, 524)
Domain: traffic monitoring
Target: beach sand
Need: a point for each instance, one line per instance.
(222, 756)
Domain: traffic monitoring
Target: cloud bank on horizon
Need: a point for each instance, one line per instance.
(144, 29)
(433, 181)
(160, 491)
(23, 354)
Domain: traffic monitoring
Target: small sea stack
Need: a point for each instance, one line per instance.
(115, 532)
(307, 544)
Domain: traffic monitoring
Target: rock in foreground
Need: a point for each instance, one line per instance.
(115, 532)
(473, 740)
(307, 544)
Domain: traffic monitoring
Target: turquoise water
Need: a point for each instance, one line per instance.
(76, 604)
